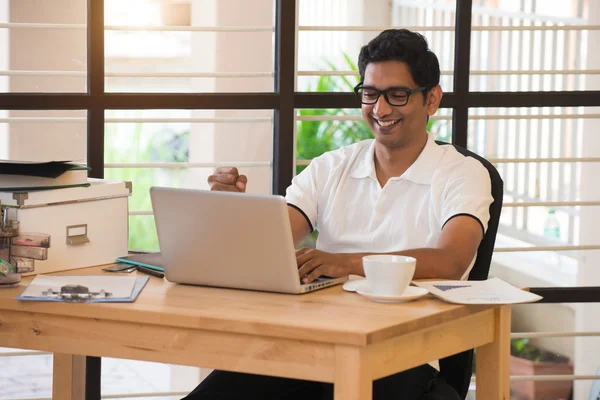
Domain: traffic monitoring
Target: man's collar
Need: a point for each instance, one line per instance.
(365, 166)
(421, 171)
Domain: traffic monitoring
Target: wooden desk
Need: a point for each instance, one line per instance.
(328, 336)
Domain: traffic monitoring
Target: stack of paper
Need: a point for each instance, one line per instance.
(491, 291)
(32, 175)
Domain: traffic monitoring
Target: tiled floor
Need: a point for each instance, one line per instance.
(31, 377)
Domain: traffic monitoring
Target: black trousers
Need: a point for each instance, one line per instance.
(223, 385)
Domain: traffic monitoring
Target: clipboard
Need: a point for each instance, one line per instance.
(84, 289)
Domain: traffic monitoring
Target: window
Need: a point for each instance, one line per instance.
(181, 148)
(159, 92)
(192, 46)
(43, 46)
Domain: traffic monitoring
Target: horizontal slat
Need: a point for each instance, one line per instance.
(533, 116)
(351, 118)
(447, 117)
(480, 73)
(537, 72)
(514, 161)
(531, 335)
(23, 353)
(543, 160)
(43, 73)
(29, 398)
(317, 118)
(328, 73)
(243, 164)
(532, 204)
(189, 74)
(551, 204)
(20, 25)
(42, 120)
(144, 74)
(119, 395)
(26, 25)
(156, 28)
(46, 120)
(378, 28)
(548, 377)
(554, 377)
(147, 212)
(268, 74)
(545, 248)
(537, 28)
(329, 118)
(450, 28)
(150, 213)
(187, 120)
(173, 28)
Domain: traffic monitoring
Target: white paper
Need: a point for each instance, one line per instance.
(36, 161)
(117, 286)
(491, 291)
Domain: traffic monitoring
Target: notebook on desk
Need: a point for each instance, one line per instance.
(149, 260)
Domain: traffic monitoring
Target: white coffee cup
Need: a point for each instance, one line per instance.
(389, 275)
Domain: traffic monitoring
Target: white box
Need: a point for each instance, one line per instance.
(87, 225)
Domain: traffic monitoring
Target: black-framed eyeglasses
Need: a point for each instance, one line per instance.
(394, 96)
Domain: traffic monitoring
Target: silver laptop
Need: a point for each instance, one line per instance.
(232, 240)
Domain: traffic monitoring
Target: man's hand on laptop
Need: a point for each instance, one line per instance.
(314, 263)
(228, 179)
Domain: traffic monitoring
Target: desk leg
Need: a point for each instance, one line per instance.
(353, 379)
(493, 368)
(68, 377)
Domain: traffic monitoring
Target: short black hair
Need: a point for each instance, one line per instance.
(403, 45)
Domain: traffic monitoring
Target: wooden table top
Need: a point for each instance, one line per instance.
(330, 315)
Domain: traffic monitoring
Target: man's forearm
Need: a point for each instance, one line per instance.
(431, 263)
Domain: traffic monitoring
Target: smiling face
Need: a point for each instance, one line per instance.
(396, 126)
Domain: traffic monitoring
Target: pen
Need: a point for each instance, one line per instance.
(149, 271)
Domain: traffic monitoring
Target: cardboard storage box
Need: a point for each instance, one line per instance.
(70, 228)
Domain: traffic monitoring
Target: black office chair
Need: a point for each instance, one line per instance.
(456, 370)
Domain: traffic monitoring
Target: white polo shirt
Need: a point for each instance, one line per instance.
(340, 196)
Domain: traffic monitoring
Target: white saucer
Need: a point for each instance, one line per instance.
(351, 285)
(411, 293)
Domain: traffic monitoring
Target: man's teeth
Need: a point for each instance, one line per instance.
(387, 123)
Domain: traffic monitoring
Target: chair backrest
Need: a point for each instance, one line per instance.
(457, 369)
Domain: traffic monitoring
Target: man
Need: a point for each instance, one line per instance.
(400, 193)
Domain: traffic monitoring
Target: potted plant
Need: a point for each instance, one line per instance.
(527, 359)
